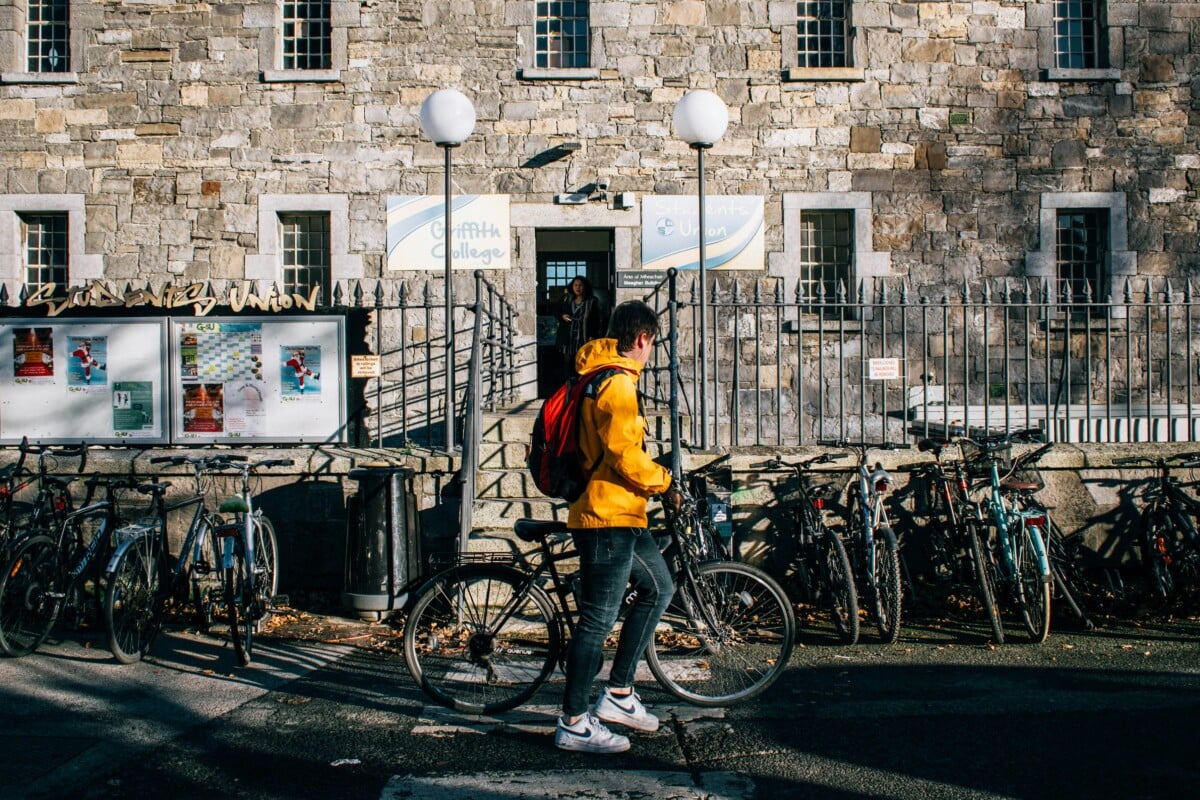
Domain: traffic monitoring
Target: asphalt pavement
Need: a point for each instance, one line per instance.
(941, 714)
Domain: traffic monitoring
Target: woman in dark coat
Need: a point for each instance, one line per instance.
(580, 319)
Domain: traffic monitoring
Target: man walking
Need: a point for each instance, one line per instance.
(609, 526)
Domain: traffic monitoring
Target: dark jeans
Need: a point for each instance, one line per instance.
(610, 559)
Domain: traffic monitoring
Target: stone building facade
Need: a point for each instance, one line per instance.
(173, 134)
(949, 132)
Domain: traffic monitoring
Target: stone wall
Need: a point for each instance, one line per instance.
(171, 132)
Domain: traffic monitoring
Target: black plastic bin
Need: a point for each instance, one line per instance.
(383, 542)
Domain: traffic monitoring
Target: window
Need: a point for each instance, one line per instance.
(827, 241)
(42, 41)
(822, 33)
(304, 241)
(44, 241)
(1077, 41)
(1078, 35)
(307, 35)
(305, 250)
(826, 256)
(560, 271)
(1084, 245)
(1081, 252)
(304, 41)
(562, 35)
(48, 40)
(824, 46)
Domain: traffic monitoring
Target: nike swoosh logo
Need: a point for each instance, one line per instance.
(627, 709)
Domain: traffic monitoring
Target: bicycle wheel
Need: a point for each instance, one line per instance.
(30, 589)
(724, 638)
(985, 576)
(204, 576)
(1158, 545)
(1034, 587)
(481, 639)
(133, 601)
(266, 562)
(1068, 584)
(838, 577)
(887, 585)
(239, 600)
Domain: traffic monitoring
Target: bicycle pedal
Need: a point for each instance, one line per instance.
(279, 600)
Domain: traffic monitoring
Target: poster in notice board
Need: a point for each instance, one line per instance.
(257, 379)
(93, 380)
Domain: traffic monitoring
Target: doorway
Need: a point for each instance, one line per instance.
(562, 255)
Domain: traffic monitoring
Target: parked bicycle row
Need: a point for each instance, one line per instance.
(971, 517)
(109, 560)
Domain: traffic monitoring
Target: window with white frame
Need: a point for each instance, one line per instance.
(823, 33)
(558, 42)
(42, 241)
(1076, 40)
(562, 35)
(40, 42)
(827, 244)
(304, 241)
(304, 40)
(307, 35)
(1084, 245)
(305, 253)
(820, 42)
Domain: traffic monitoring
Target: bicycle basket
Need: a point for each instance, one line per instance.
(977, 459)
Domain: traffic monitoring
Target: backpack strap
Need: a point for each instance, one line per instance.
(592, 381)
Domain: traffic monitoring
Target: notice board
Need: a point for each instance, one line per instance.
(260, 379)
(100, 381)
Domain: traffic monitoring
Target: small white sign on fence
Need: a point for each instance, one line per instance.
(883, 369)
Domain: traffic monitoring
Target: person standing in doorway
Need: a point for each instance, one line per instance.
(579, 317)
(609, 527)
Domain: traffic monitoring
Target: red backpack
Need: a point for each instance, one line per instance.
(553, 457)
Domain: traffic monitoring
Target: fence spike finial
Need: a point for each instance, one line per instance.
(1006, 291)
(758, 295)
(1128, 292)
(883, 291)
(3, 295)
(904, 292)
(965, 292)
(987, 293)
(1168, 290)
(779, 292)
(379, 293)
(737, 292)
(1187, 291)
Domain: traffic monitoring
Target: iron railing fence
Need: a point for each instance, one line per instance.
(787, 367)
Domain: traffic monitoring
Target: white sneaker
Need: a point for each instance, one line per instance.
(626, 710)
(588, 736)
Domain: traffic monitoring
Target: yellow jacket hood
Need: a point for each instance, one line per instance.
(612, 443)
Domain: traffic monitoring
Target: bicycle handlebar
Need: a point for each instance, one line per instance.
(843, 443)
(776, 462)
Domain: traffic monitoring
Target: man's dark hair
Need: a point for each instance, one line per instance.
(629, 319)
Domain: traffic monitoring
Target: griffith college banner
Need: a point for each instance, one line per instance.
(671, 238)
(416, 236)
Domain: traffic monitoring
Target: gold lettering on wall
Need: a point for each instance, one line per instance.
(198, 295)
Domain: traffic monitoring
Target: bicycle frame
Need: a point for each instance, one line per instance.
(1004, 518)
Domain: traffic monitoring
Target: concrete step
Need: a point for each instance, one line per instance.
(494, 483)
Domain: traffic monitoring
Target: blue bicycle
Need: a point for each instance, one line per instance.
(1016, 563)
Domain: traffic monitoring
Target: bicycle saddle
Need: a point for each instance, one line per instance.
(535, 530)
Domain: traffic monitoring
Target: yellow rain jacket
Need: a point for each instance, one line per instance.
(612, 440)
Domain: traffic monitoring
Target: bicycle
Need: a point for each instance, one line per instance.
(814, 551)
(47, 575)
(1016, 560)
(52, 501)
(1168, 538)
(250, 560)
(956, 548)
(143, 582)
(874, 549)
(485, 634)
